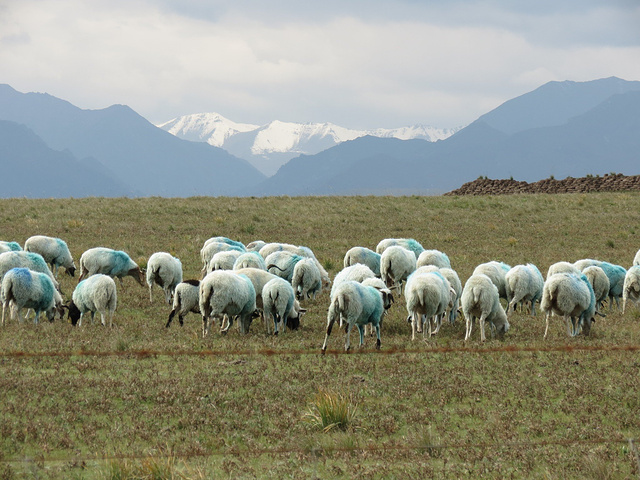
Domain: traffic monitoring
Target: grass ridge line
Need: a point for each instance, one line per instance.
(272, 352)
(316, 450)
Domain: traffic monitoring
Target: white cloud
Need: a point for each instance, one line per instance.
(395, 64)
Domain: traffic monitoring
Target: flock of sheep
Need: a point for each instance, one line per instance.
(272, 280)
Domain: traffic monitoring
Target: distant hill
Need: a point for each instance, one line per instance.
(270, 146)
(561, 129)
(31, 169)
(142, 157)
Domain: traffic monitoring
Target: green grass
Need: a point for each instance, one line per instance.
(238, 410)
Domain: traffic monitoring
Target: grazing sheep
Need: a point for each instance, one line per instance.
(586, 262)
(164, 270)
(250, 260)
(562, 267)
(282, 263)
(571, 297)
(616, 275)
(396, 264)
(631, 289)
(255, 246)
(95, 294)
(54, 251)
(114, 263)
(357, 273)
(523, 283)
(636, 259)
(357, 304)
(223, 260)
(306, 279)
(9, 246)
(22, 259)
(226, 240)
(24, 288)
(480, 299)
(364, 256)
(210, 249)
(185, 299)
(600, 283)
(497, 272)
(454, 280)
(408, 243)
(280, 304)
(434, 257)
(224, 292)
(271, 248)
(428, 295)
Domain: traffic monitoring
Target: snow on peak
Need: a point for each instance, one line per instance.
(212, 128)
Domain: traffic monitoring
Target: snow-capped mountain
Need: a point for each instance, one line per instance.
(270, 146)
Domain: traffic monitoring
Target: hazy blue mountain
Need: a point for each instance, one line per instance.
(145, 158)
(554, 103)
(31, 169)
(603, 138)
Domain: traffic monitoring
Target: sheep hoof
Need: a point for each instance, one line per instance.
(323, 351)
(378, 345)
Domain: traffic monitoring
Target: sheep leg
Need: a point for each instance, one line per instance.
(80, 319)
(347, 343)
(413, 326)
(110, 319)
(171, 315)
(469, 326)
(205, 325)
(326, 337)
(102, 319)
(361, 331)
(378, 337)
(167, 295)
(4, 307)
(483, 317)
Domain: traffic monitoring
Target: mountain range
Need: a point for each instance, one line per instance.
(121, 152)
(50, 148)
(270, 146)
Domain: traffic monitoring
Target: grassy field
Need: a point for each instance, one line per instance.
(234, 406)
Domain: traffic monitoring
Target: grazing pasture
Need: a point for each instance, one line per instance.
(143, 401)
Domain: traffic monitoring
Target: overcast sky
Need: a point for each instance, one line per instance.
(355, 63)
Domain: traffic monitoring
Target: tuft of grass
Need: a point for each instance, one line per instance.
(331, 410)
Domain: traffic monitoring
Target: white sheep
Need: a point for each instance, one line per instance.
(282, 263)
(185, 299)
(616, 275)
(114, 263)
(164, 270)
(223, 260)
(225, 292)
(250, 259)
(54, 251)
(280, 304)
(255, 246)
(302, 251)
(454, 280)
(94, 294)
(428, 295)
(523, 283)
(636, 259)
(433, 257)
(210, 249)
(364, 256)
(571, 297)
(357, 304)
(480, 299)
(24, 288)
(228, 241)
(600, 284)
(631, 289)
(9, 246)
(586, 262)
(22, 259)
(497, 272)
(408, 243)
(306, 279)
(396, 264)
(562, 267)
